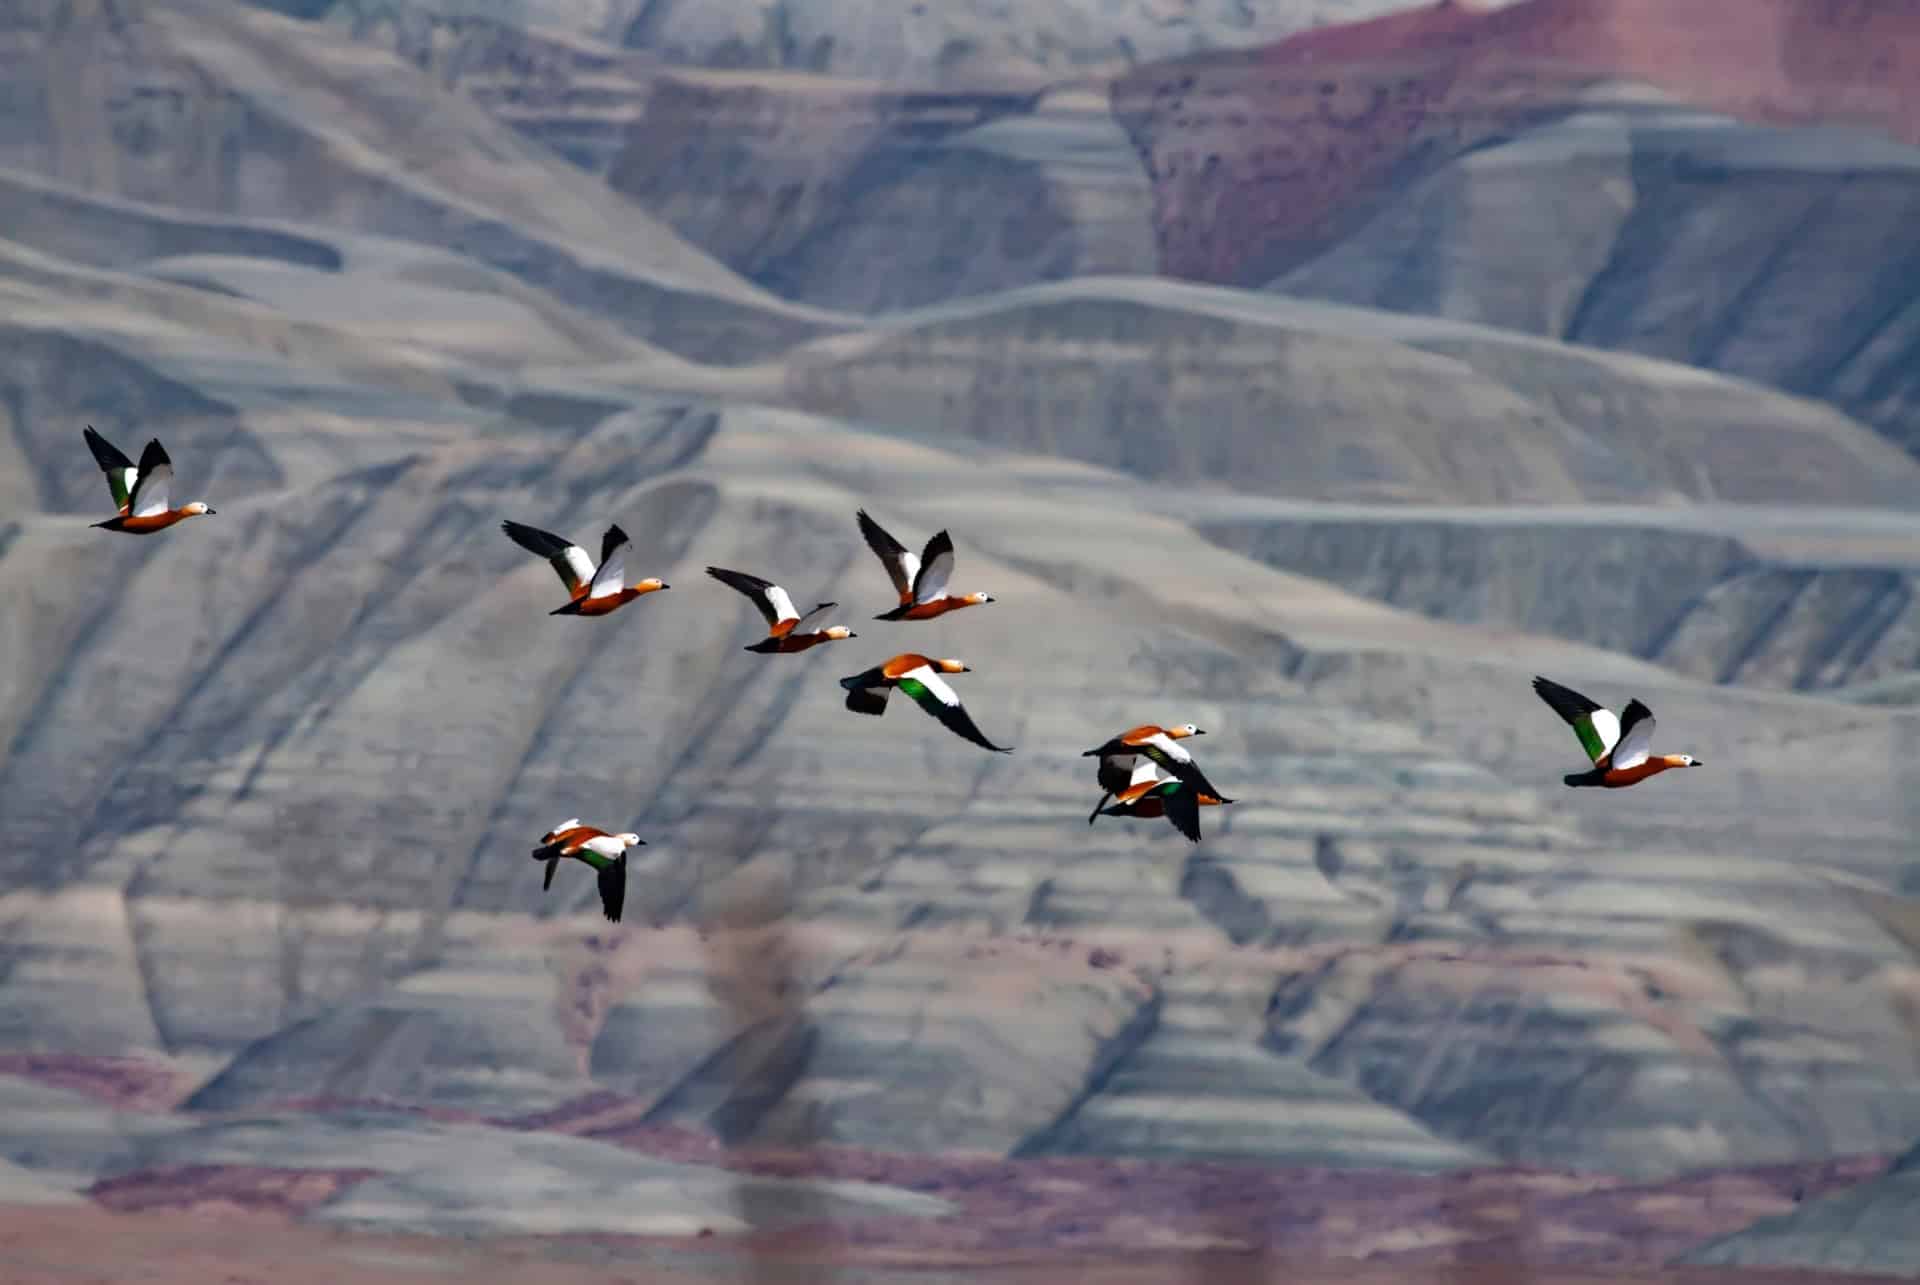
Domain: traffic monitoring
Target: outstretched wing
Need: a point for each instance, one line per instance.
(1596, 727)
(152, 492)
(902, 567)
(569, 560)
(613, 887)
(1117, 771)
(121, 472)
(1182, 807)
(773, 601)
(814, 621)
(1179, 766)
(1145, 769)
(867, 691)
(936, 568)
(931, 693)
(611, 578)
(1636, 737)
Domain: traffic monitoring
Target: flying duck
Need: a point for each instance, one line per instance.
(606, 853)
(1621, 747)
(919, 677)
(1154, 794)
(595, 593)
(787, 629)
(921, 581)
(1160, 745)
(143, 492)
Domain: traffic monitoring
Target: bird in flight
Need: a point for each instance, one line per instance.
(143, 492)
(1153, 793)
(1158, 745)
(919, 677)
(1621, 746)
(606, 853)
(921, 581)
(787, 629)
(595, 591)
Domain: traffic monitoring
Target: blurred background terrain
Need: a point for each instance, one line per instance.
(1316, 372)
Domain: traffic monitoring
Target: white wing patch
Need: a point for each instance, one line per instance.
(152, 494)
(1606, 725)
(1146, 770)
(909, 568)
(815, 620)
(128, 476)
(934, 587)
(578, 565)
(1636, 747)
(605, 844)
(611, 578)
(925, 676)
(782, 603)
(1174, 749)
(565, 826)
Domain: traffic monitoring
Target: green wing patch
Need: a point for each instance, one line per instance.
(1589, 738)
(916, 689)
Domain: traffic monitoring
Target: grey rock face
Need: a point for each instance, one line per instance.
(1867, 1229)
(268, 782)
(1727, 598)
(1774, 255)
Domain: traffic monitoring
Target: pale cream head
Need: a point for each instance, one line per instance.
(951, 666)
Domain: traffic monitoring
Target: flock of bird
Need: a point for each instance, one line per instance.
(1146, 771)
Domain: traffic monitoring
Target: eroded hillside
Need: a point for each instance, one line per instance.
(269, 936)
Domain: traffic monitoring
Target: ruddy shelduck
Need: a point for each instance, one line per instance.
(1153, 793)
(606, 853)
(143, 492)
(1621, 747)
(596, 591)
(1160, 745)
(919, 677)
(787, 629)
(921, 581)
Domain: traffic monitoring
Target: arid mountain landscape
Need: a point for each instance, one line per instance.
(1315, 372)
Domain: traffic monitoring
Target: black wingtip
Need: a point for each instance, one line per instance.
(615, 534)
(105, 453)
(613, 888)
